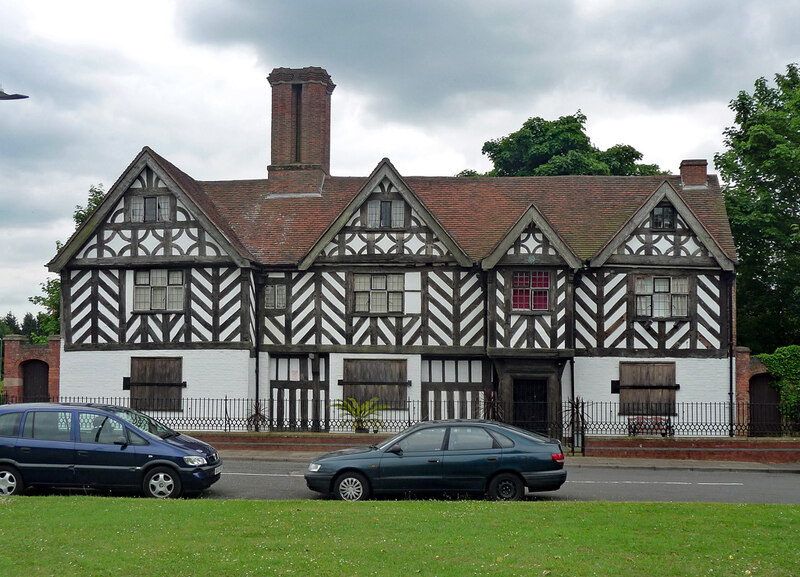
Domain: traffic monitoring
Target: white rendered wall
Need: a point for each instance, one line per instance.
(701, 380)
(208, 373)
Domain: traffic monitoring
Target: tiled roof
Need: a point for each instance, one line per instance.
(586, 211)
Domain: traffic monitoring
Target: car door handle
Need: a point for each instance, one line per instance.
(25, 449)
(491, 458)
(83, 453)
(433, 460)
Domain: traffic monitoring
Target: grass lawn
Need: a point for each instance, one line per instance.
(102, 536)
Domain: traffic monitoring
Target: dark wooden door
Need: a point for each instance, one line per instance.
(765, 419)
(34, 381)
(530, 404)
(156, 383)
(364, 379)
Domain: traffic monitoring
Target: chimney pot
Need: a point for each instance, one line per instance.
(301, 118)
(694, 172)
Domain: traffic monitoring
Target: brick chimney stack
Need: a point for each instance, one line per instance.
(694, 172)
(301, 129)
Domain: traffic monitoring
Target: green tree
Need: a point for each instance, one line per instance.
(49, 322)
(9, 325)
(761, 172)
(553, 147)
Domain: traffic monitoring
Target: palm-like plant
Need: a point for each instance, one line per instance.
(363, 415)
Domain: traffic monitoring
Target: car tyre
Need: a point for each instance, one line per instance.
(162, 483)
(11, 482)
(351, 486)
(506, 487)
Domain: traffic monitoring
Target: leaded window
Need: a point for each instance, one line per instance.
(530, 291)
(150, 209)
(662, 297)
(385, 214)
(664, 217)
(158, 290)
(378, 293)
(275, 296)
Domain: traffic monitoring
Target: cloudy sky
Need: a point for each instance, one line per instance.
(423, 82)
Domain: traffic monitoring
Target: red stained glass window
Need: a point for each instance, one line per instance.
(531, 291)
(521, 299)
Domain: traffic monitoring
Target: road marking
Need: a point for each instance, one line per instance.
(653, 483)
(262, 474)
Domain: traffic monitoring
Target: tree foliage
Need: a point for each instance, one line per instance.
(761, 171)
(553, 147)
(49, 322)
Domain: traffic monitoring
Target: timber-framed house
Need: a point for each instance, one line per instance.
(305, 287)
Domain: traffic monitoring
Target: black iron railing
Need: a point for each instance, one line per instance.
(570, 421)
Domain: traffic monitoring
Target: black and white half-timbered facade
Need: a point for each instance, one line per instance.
(438, 294)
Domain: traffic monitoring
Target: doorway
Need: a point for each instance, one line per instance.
(530, 405)
(35, 375)
(765, 418)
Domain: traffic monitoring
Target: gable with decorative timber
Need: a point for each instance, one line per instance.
(687, 244)
(359, 235)
(177, 237)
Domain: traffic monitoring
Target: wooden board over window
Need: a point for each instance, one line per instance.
(647, 389)
(156, 383)
(368, 378)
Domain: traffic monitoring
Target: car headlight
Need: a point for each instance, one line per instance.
(314, 467)
(194, 460)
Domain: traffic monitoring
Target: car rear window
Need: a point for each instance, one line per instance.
(9, 424)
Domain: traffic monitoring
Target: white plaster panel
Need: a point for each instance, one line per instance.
(413, 302)
(114, 241)
(413, 281)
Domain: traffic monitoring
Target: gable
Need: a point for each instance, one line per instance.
(531, 241)
(165, 229)
(386, 221)
(674, 244)
(643, 241)
(146, 218)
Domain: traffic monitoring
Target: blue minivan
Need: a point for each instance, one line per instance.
(102, 447)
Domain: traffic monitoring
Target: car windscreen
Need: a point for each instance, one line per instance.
(144, 423)
(392, 440)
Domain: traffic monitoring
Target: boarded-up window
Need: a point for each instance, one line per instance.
(156, 383)
(647, 389)
(364, 379)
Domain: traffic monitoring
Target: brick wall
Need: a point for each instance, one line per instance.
(18, 351)
(746, 368)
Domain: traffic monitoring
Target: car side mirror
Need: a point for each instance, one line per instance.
(395, 449)
(122, 441)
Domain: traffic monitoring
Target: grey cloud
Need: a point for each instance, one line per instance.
(411, 57)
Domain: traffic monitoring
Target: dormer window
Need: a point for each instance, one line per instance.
(664, 217)
(150, 208)
(385, 214)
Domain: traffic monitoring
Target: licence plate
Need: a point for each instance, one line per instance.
(218, 470)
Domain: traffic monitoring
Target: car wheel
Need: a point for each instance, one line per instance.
(10, 481)
(162, 483)
(506, 487)
(351, 487)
